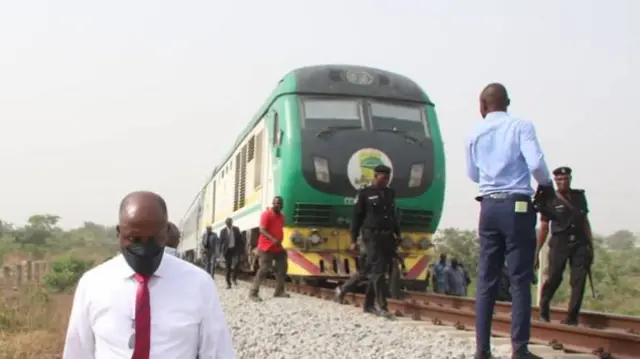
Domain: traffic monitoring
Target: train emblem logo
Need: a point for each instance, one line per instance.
(361, 164)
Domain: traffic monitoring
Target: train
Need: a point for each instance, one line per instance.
(315, 142)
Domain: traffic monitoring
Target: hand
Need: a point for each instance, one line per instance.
(354, 246)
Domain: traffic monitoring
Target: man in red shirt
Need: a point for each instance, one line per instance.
(270, 249)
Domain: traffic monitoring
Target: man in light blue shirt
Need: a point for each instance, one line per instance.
(503, 154)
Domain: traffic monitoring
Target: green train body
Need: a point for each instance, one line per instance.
(314, 142)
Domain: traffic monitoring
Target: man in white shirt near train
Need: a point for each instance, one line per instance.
(115, 302)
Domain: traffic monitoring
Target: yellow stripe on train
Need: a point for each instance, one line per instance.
(324, 252)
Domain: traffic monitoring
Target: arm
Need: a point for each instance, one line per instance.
(359, 212)
(396, 228)
(264, 223)
(472, 170)
(532, 154)
(215, 340)
(79, 343)
(587, 223)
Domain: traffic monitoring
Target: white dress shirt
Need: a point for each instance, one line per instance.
(187, 321)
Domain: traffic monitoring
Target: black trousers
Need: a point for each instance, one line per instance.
(380, 246)
(577, 252)
(361, 277)
(232, 263)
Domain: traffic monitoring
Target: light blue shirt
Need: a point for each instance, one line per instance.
(502, 154)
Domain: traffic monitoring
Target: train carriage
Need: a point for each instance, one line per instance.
(315, 142)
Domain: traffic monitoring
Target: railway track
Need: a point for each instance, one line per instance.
(604, 335)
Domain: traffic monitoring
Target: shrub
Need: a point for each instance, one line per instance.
(65, 273)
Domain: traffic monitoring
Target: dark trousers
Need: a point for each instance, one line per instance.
(210, 263)
(232, 263)
(380, 248)
(359, 278)
(505, 234)
(578, 254)
(266, 263)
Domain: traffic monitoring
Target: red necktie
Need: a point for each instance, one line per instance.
(142, 345)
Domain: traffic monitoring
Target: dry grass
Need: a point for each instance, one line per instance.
(32, 322)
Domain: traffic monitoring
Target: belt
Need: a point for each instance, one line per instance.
(376, 230)
(503, 196)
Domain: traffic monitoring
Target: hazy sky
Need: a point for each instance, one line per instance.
(99, 98)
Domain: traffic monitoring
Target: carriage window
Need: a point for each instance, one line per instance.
(408, 118)
(322, 113)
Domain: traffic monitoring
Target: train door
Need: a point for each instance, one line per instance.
(272, 152)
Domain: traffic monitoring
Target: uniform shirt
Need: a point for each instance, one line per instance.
(569, 220)
(375, 208)
(502, 153)
(186, 316)
(274, 224)
(232, 238)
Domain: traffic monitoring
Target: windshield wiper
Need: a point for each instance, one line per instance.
(403, 133)
(332, 129)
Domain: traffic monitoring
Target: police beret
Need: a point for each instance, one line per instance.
(382, 169)
(562, 171)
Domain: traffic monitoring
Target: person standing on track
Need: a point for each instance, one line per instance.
(231, 247)
(210, 248)
(374, 213)
(270, 250)
(502, 154)
(571, 240)
(439, 277)
(174, 240)
(116, 302)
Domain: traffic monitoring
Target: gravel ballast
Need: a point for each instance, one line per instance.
(311, 328)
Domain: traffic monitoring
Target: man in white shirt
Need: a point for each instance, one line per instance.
(117, 303)
(174, 240)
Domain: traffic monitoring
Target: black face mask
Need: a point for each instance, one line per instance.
(143, 258)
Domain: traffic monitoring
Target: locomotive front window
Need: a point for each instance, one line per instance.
(386, 116)
(325, 113)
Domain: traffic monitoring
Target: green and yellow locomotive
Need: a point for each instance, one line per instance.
(315, 142)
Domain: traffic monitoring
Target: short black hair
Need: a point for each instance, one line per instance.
(161, 202)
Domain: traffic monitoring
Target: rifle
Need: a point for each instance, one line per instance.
(594, 295)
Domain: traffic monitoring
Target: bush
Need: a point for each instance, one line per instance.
(65, 273)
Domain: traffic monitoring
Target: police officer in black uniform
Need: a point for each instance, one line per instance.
(374, 213)
(571, 241)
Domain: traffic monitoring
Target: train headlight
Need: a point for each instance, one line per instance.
(315, 239)
(415, 175)
(406, 243)
(425, 243)
(296, 238)
(321, 168)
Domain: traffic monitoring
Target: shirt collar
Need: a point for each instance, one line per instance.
(495, 115)
(126, 272)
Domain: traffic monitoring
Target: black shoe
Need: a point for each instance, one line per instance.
(369, 310)
(282, 295)
(255, 298)
(235, 282)
(228, 286)
(385, 314)
(544, 315)
(524, 354)
(570, 321)
(482, 355)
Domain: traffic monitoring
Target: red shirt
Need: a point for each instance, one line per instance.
(273, 222)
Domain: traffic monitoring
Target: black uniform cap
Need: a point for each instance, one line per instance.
(562, 171)
(382, 169)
